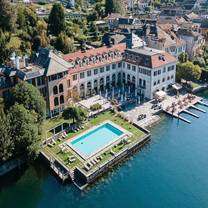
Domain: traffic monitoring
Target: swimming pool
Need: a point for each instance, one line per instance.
(96, 139)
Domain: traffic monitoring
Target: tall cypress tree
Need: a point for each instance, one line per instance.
(7, 16)
(56, 22)
(108, 7)
(114, 6)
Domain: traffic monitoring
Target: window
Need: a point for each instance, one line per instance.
(128, 66)
(163, 80)
(56, 101)
(158, 82)
(82, 75)
(41, 81)
(61, 88)
(108, 68)
(102, 70)
(159, 72)
(119, 65)
(155, 83)
(155, 73)
(89, 73)
(164, 70)
(61, 99)
(74, 77)
(172, 76)
(68, 83)
(95, 71)
(170, 68)
(140, 82)
(55, 90)
(114, 66)
(144, 83)
(134, 68)
(168, 78)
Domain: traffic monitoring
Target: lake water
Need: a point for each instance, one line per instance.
(170, 172)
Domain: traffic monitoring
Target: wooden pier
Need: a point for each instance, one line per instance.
(202, 103)
(174, 106)
(196, 108)
(190, 113)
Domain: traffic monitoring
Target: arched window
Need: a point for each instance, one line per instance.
(55, 90)
(113, 77)
(56, 101)
(61, 99)
(133, 79)
(61, 88)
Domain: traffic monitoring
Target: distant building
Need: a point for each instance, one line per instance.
(167, 41)
(194, 40)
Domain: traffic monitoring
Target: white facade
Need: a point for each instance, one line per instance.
(146, 80)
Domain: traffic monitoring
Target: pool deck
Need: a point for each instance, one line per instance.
(126, 134)
(115, 153)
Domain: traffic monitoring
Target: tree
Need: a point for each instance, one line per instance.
(63, 43)
(7, 16)
(56, 23)
(6, 142)
(30, 97)
(114, 6)
(183, 57)
(77, 114)
(24, 130)
(36, 43)
(4, 52)
(188, 71)
(108, 7)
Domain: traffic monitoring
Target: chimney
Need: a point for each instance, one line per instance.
(25, 61)
(17, 62)
(12, 58)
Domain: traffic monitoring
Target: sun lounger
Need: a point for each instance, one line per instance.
(86, 168)
(90, 162)
(50, 145)
(93, 162)
(72, 160)
(59, 139)
(112, 152)
(53, 142)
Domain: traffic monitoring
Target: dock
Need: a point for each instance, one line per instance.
(197, 108)
(190, 113)
(202, 103)
(176, 105)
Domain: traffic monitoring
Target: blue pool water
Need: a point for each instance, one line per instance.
(95, 140)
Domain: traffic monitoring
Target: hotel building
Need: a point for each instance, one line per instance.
(62, 78)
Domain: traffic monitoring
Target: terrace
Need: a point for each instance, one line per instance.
(71, 160)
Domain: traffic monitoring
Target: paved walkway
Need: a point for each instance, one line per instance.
(145, 108)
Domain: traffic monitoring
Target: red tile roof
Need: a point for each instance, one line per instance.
(157, 62)
(72, 57)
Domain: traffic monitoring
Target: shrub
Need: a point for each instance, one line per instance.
(95, 107)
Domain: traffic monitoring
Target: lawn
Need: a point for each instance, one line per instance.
(52, 123)
(56, 152)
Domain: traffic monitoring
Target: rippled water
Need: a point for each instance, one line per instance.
(172, 171)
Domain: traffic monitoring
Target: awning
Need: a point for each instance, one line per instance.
(177, 86)
(160, 94)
